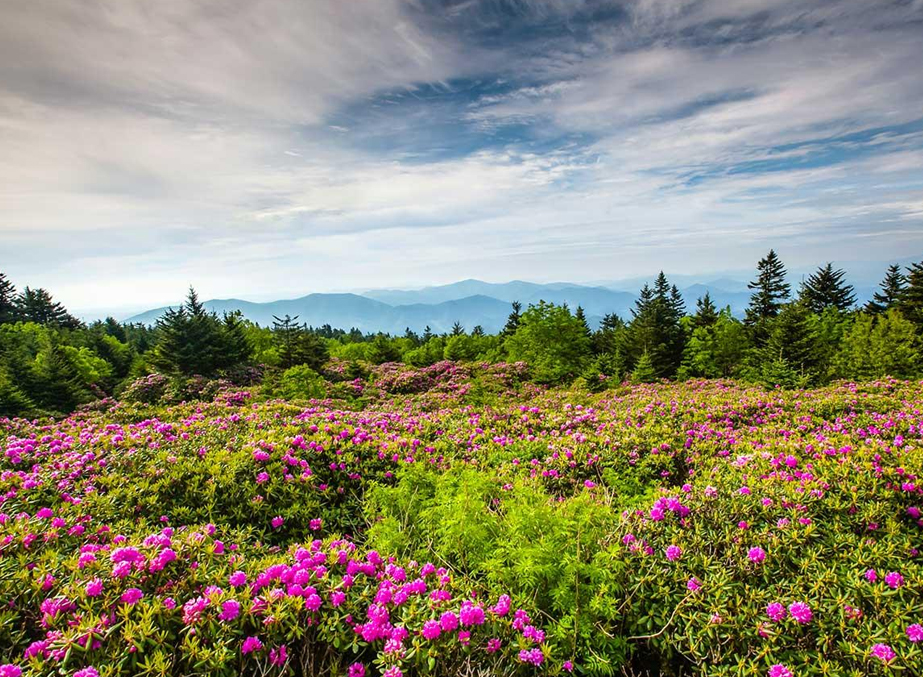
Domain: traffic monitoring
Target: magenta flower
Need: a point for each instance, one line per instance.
(779, 670)
(10, 670)
(756, 554)
(448, 621)
(237, 579)
(883, 652)
(393, 671)
(357, 670)
(94, 588)
(674, 552)
(894, 580)
(693, 584)
(801, 612)
(132, 596)
(568, 666)
(431, 629)
(871, 575)
(776, 612)
(533, 656)
(250, 645)
(229, 610)
(915, 633)
(277, 521)
(87, 672)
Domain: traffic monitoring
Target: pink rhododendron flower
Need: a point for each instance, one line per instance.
(779, 670)
(801, 612)
(894, 580)
(776, 611)
(131, 596)
(673, 552)
(915, 633)
(883, 652)
(756, 554)
(250, 645)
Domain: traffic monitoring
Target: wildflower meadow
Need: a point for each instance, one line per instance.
(460, 520)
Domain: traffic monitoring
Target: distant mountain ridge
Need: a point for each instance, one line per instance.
(470, 302)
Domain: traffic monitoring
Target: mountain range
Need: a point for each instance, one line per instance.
(470, 302)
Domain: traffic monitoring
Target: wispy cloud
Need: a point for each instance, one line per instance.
(285, 147)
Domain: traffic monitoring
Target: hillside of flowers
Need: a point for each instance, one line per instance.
(461, 520)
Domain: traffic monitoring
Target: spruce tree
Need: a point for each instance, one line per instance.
(427, 334)
(512, 322)
(644, 371)
(457, 329)
(705, 312)
(792, 340)
(36, 305)
(911, 303)
(581, 318)
(295, 344)
(770, 290)
(656, 327)
(826, 289)
(892, 289)
(9, 311)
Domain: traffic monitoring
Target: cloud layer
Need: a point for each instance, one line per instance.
(282, 146)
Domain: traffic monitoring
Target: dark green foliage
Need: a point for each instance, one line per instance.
(715, 350)
(644, 371)
(877, 346)
(552, 341)
(791, 345)
(192, 340)
(382, 349)
(656, 328)
(826, 289)
(457, 329)
(36, 305)
(770, 292)
(296, 345)
(512, 322)
(9, 312)
(705, 312)
(911, 302)
(892, 289)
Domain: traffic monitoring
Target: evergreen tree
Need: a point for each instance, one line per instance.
(478, 330)
(581, 318)
(656, 327)
(792, 340)
(58, 386)
(427, 334)
(412, 336)
(382, 350)
(644, 371)
(911, 303)
(296, 345)
(892, 289)
(457, 329)
(512, 322)
(770, 290)
(9, 311)
(192, 340)
(36, 305)
(705, 312)
(826, 289)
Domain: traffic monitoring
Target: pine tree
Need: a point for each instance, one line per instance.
(581, 318)
(644, 371)
(9, 311)
(911, 303)
(36, 305)
(457, 329)
(412, 336)
(656, 327)
(792, 340)
(826, 289)
(771, 290)
(427, 334)
(295, 344)
(192, 340)
(478, 330)
(705, 312)
(892, 289)
(512, 322)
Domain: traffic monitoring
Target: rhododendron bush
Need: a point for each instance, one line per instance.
(459, 521)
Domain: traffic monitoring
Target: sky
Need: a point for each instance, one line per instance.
(272, 148)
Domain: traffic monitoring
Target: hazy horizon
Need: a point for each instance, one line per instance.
(264, 150)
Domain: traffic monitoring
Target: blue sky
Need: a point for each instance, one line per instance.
(276, 148)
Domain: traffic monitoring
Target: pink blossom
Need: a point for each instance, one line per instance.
(250, 645)
(779, 670)
(915, 633)
(801, 612)
(883, 652)
(673, 552)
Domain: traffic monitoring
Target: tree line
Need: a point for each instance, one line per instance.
(51, 362)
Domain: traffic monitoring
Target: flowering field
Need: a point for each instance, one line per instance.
(460, 525)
